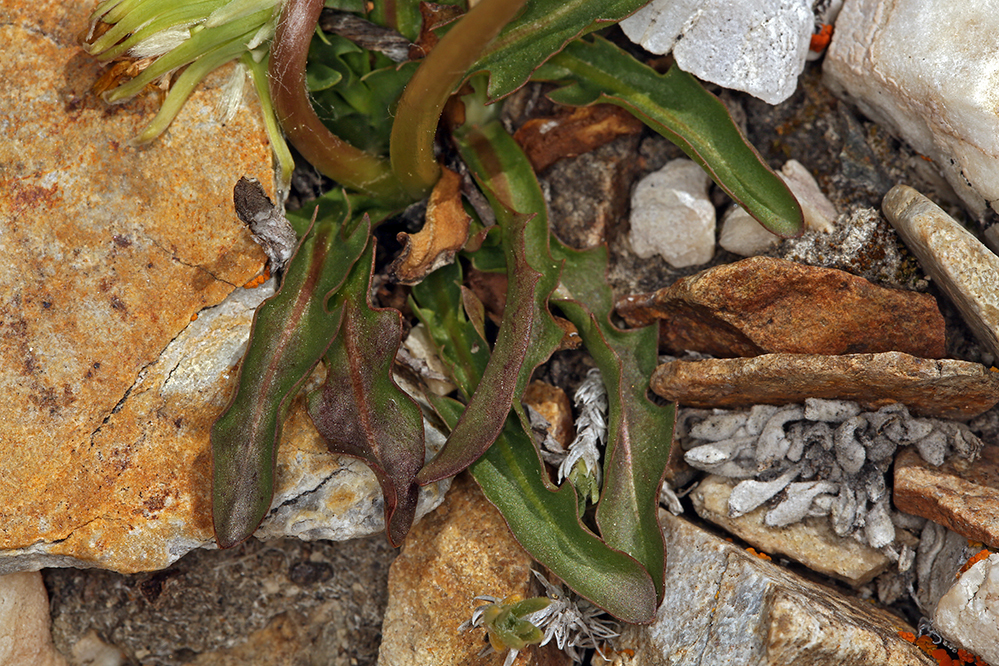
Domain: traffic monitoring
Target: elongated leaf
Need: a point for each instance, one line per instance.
(678, 107)
(541, 30)
(291, 332)
(546, 523)
(528, 334)
(360, 410)
(639, 431)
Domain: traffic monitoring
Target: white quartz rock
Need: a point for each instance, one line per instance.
(928, 70)
(968, 614)
(758, 47)
(743, 235)
(671, 215)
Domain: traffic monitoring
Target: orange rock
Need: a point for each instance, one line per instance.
(962, 498)
(760, 305)
(554, 405)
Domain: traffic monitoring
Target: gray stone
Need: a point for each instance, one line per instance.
(757, 47)
(927, 71)
(968, 614)
(724, 606)
(964, 268)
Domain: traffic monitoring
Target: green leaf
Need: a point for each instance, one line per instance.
(639, 431)
(291, 332)
(541, 30)
(546, 523)
(528, 334)
(359, 410)
(677, 106)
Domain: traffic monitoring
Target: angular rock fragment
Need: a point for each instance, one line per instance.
(756, 47)
(966, 270)
(672, 216)
(962, 497)
(943, 388)
(724, 606)
(461, 551)
(24, 622)
(760, 305)
(968, 614)
(811, 541)
(942, 102)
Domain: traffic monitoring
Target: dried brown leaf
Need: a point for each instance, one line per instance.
(547, 140)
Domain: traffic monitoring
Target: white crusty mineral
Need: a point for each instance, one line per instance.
(758, 47)
(671, 215)
(968, 614)
(928, 70)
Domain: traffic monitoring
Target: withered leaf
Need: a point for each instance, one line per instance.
(547, 140)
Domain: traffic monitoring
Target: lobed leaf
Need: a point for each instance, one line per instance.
(291, 332)
(528, 334)
(678, 107)
(360, 411)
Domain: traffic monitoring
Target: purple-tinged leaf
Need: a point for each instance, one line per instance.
(528, 334)
(360, 410)
(291, 332)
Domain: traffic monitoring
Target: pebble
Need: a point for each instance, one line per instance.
(672, 216)
(944, 388)
(758, 47)
(25, 637)
(963, 267)
(811, 541)
(743, 235)
(968, 614)
(761, 304)
(726, 606)
(962, 497)
(927, 72)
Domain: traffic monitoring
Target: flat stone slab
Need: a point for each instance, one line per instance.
(724, 606)
(761, 305)
(811, 542)
(964, 498)
(963, 267)
(944, 388)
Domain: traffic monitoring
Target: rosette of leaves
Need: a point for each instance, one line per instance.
(373, 125)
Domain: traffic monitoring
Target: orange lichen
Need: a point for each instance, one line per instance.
(973, 560)
(907, 636)
(821, 39)
(259, 280)
(194, 316)
(762, 556)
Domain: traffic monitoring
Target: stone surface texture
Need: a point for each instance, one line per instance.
(25, 638)
(760, 305)
(672, 216)
(943, 388)
(758, 47)
(462, 550)
(941, 102)
(724, 606)
(962, 497)
(962, 266)
(969, 613)
(811, 542)
(109, 251)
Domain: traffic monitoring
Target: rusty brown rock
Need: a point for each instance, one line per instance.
(460, 551)
(963, 498)
(553, 404)
(761, 305)
(943, 388)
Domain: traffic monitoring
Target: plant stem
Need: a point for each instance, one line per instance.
(333, 156)
(411, 148)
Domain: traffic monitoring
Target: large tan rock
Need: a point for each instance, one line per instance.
(461, 551)
(107, 254)
(964, 498)
(760, 305)
(943, 388)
